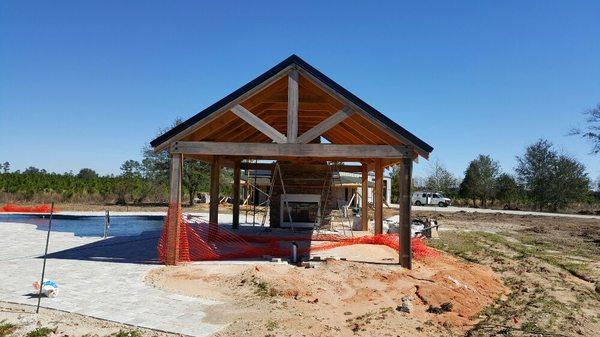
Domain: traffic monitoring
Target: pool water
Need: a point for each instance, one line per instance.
(90, 225)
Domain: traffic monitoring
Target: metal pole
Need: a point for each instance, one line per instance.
(106, 223)
(37, 309)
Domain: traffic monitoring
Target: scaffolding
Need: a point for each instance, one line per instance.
(324, 219)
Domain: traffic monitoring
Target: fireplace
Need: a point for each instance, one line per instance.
(304, 191)
(304, 210)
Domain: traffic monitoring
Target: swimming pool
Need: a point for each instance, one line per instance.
(90, 225)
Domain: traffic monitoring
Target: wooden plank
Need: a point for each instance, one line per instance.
(250, 93)
(350, 133)
(213, 212)
(259, 124)
(236, 194)
(292, 108)
(404, 202)
(364, 217)
(292, 150)
(324, 126)
(174, 199)
(378, 196)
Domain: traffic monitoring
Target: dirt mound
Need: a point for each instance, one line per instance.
(340, 297)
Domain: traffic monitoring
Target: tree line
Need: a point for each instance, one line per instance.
(138, 182)
(543, 179)
(144, 181)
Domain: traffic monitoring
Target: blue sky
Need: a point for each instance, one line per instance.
(88, 83)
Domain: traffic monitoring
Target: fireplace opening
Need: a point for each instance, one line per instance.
(303, 209)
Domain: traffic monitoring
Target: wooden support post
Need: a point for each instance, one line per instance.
(236, 193)
(213, 213)
(175, 209)
(364, 216)
(292, 109)
(378, 196)
(404, 202)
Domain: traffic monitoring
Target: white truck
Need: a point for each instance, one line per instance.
(430, 198)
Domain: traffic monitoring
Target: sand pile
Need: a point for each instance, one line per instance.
(340, 297)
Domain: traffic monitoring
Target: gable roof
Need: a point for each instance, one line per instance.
(295, 60)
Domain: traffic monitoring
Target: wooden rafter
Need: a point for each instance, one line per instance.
(259, 124)
(325, 125)
(245, 96)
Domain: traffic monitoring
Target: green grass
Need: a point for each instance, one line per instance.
(272, 325)
(462, 244)
(7, 328)
(470, 246)
(540, 312)
(263, 289)
(475, 247)
(41, 332)
(130, 333)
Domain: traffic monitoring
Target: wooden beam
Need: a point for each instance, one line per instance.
(364, 217)
(213, 212)
(174, 206)
(378, 196)
(404, 202)
(223, 109)
(236, 194)
(259, 124)
(292, 150)
(292, 108)
(324, 126)
(270, 167)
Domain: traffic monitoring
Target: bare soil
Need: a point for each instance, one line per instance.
(525, 275)
(21, 320)
(340, 298)
(550, 264)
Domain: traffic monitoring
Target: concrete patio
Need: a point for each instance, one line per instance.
(96, 277)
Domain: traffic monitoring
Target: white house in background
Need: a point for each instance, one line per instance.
(350, 185)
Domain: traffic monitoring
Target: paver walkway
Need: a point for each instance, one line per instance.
(91, 282)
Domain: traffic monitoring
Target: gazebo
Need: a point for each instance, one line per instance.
(295, 115)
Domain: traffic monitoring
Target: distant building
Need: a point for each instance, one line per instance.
(346, 188)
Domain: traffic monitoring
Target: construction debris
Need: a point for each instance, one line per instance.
(444, 307)
(406, 305)
(308, 264)
(49, 288)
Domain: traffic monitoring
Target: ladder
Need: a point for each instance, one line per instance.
(326, 194)
(267, 203)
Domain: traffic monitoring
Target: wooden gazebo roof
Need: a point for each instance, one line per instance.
(258, 113)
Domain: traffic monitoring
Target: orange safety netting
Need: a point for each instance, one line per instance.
(199, 241)
(27, 209)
